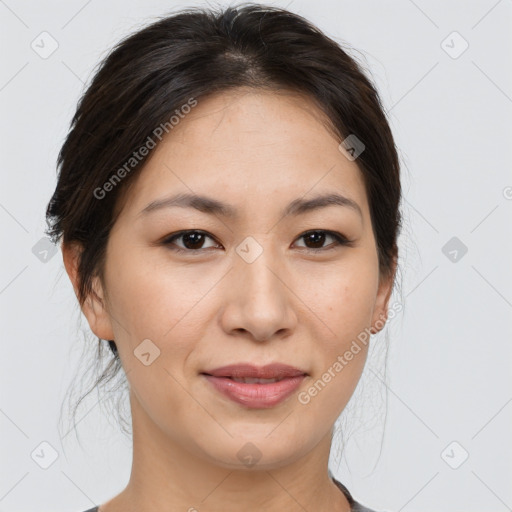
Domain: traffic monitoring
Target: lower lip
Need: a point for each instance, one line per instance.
(257, 396)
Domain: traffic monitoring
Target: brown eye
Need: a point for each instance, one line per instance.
(192, 240)
(315, 240)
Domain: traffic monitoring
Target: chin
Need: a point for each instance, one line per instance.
(257, 450)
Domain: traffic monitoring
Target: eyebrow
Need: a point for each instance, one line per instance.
(214, 207)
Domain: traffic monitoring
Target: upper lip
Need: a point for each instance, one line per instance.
(269, 371)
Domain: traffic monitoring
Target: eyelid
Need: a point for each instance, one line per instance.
(168, 240)
(340, 241)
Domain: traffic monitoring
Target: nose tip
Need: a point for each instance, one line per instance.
(260, 335)
(259, 303)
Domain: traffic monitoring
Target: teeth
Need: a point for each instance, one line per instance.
(248, 380)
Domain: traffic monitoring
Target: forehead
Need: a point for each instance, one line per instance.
(249, 148)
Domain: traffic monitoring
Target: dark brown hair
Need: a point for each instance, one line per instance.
(191, 54)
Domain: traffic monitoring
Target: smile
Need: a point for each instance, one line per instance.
(255, 387)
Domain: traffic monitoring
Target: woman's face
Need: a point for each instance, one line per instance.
(245, 288)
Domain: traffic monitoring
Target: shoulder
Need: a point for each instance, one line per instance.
(357, 507)
(354, 505)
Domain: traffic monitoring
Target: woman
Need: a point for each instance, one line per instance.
(228, 203)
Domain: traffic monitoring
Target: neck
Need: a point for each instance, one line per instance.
(169, 477)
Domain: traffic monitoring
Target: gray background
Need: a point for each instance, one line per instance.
(449, 365)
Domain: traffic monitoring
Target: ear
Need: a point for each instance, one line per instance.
(94, 306)
(380, 312)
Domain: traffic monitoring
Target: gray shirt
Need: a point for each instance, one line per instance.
(354, 505)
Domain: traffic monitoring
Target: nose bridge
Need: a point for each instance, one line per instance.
(256, 266)
(260, 301)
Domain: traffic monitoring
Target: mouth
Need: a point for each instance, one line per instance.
(251, 380)
(256, 387)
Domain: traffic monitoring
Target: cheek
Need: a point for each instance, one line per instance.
(343, 299)
(151, 300)
(159, 303)
(344, 308)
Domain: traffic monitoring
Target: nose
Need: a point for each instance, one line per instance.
(259, 303)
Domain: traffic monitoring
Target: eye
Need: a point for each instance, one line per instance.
(317, 239)
(193, 240)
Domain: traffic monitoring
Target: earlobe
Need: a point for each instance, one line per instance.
(96, 312)
(380, 315)
(94, 306)
(71, 257)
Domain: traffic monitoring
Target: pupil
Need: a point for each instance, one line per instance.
(317, 237)
(190, 238)
(195, 240)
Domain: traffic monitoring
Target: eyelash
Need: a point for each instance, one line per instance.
(340, 240)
